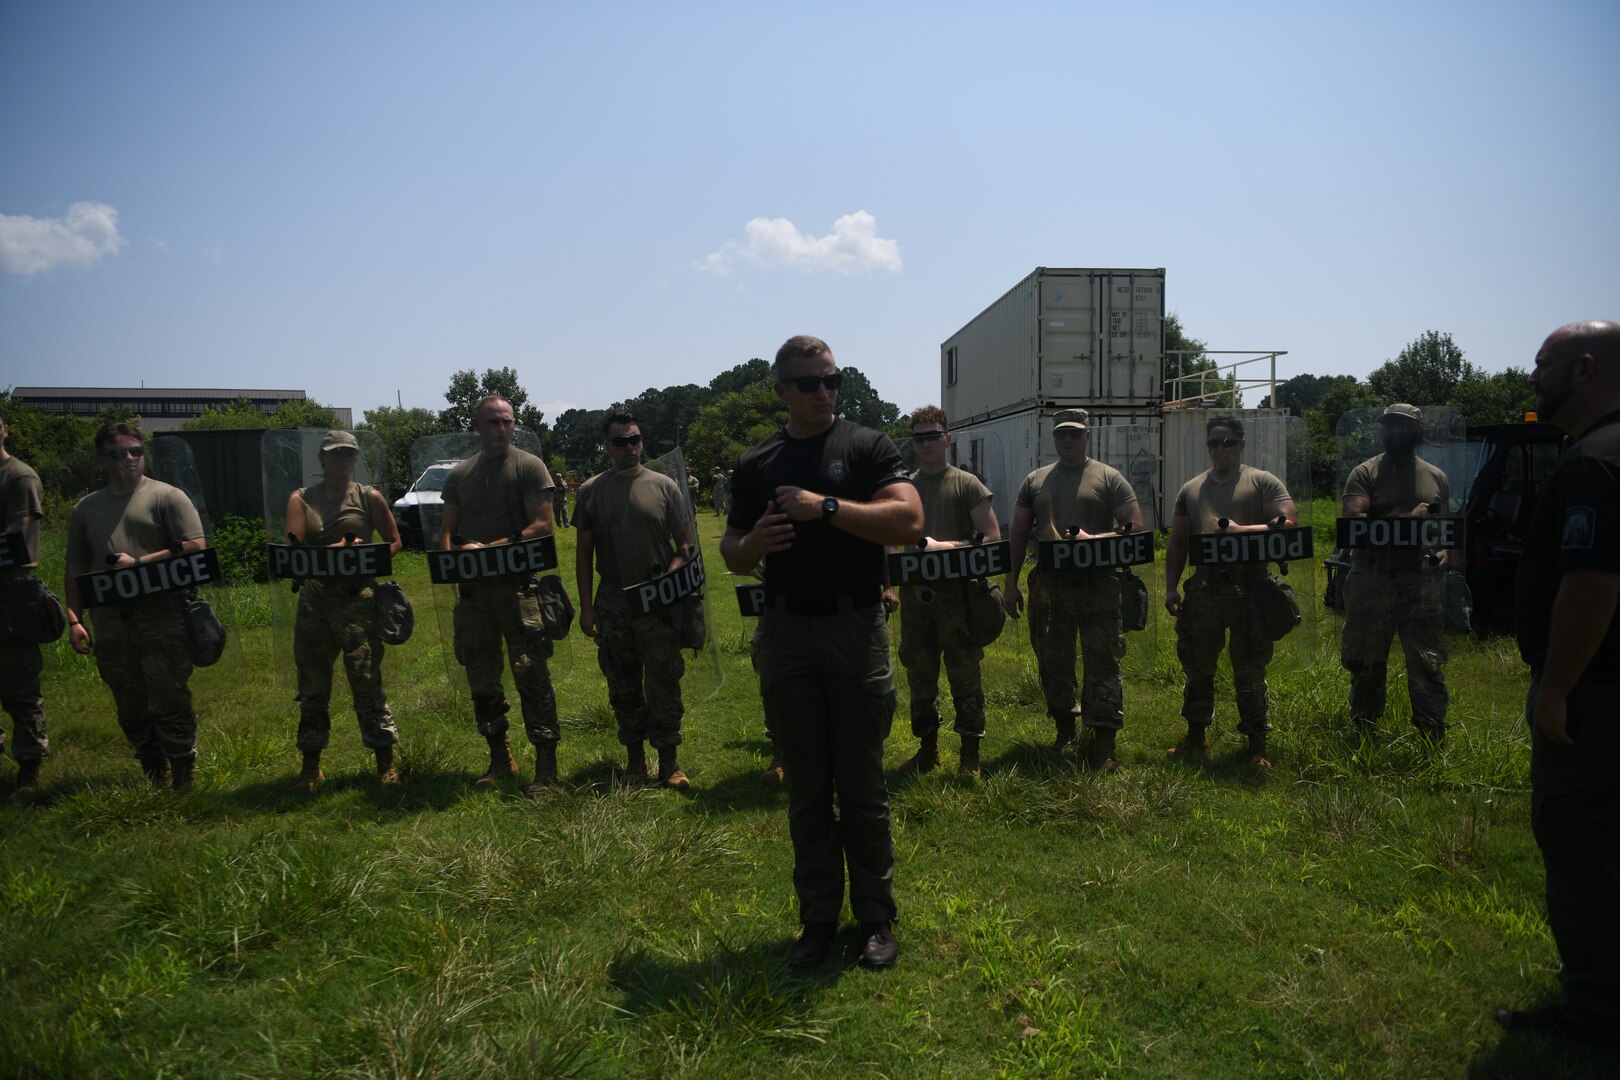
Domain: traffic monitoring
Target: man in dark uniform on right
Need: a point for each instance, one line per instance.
(1569, 581)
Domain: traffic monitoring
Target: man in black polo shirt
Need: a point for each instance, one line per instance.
(818, 501)
(1569, 581)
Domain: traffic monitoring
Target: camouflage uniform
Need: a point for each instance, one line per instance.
(140, 644)
(1217, 602)
(490, 495)
(933, 619)
(634, 519)
(338, 618)
(1064, 606)
(20, 659)
(1392, 591)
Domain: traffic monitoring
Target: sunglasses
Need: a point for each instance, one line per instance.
(928, 436)
(626, 440)
(1222, 444)
(118, 453)
(807, 384)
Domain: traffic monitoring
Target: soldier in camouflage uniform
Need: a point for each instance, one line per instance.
(1081, 494)
(140, 644)
(933, 620)
(1396, 590)
(337, 617)
(20, 660)
(633, 523)
(1219, 599)
(501, 495)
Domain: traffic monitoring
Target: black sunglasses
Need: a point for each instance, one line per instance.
(118, 452)
(807, 384)
(1222, 444)
(625, 440)
(927, 436)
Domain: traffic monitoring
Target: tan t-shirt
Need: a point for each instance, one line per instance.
(328, 520)
(149, 519)
(1395, 485)
(490, 493)
(634, 519)
(948, 500)
(19, 499)
(1244, 499)
(1089, 495)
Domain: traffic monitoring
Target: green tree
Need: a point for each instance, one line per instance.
(305, 413)
(1186, 355)
(239, 414)
(1499, 398)
(665, 414)
(1427, 372)
(399, 429)
(467, 388)
(742, 376)
(730, 424)
(858, 401)
(1304, 392)
(577, 436)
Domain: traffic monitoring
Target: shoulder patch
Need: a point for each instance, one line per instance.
(1580, 523)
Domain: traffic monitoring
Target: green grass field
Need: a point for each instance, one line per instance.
(1344, 914)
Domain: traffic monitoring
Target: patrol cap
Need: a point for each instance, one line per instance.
(339, 440)
(1402, 412)
(1073, 418)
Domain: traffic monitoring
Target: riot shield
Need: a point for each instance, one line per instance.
(1399, 540)
(432, 458)
(1257, 576)
(173, 463)
(1133, 449)
(290, 462)
(642, 548)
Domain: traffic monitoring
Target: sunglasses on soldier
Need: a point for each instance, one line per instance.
(927, 436)
(806, 384)
(626, 440)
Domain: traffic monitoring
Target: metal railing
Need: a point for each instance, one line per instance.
(1221, 384)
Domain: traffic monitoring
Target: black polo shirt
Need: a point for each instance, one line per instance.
(846, 461)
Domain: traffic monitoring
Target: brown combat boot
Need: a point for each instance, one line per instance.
(669, 770)
(1102, 757)
(926, 759)
(182, 769)
(635, 769)
(156, 770)
(27, 776)
(775, 772)
(311, 776)
(970, 757)
(545, 770)
(386, 773)
(501, 762)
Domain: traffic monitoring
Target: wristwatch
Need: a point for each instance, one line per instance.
(829, 507)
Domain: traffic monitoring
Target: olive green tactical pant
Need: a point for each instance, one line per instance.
(828, 688)
(1210, 609)
(1378, 605)
(930, 628)
(1063, 607)
(141, 654)
(20, 665)
(642, 661)
(489, 614)
(333, 622)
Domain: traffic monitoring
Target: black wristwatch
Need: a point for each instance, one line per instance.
(829, 507)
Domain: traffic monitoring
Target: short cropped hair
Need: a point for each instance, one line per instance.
(113, 429)
(1231, 422)
(802, 347)
(619, 418)
(930, 414)
(487, 398)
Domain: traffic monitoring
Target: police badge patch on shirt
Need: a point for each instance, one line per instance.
(837, 470)
(1580, 524)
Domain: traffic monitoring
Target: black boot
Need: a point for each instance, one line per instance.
(927, 757)
(1194, 744)
(635, 769)
(310, 777)
(970, 757)
(1102, 751)
(1065, 732)
(27, 775)
(182, 769)
(156, 770)
(545, 770)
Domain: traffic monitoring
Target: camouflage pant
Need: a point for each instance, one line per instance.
(1209, 610)
(1376, 607)
(1061, 608)
(486, 616)
(641, 659)
(20, 665)
(330, 623)
(929, 628)
(141, 654)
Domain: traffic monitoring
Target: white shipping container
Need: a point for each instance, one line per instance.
(1093, 336)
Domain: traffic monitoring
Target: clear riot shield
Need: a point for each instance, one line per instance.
(681, 595)
(173, 463)
(441, 453)
(290, 461)
(1398, 560)
(1133, 449)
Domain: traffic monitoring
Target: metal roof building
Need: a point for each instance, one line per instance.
(160, 408)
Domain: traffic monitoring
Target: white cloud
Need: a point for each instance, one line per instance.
(853, 247)
(29, 245)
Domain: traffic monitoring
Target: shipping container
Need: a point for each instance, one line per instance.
(1090, 336)
(228, 468)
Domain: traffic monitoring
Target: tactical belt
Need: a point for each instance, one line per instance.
(822, 604)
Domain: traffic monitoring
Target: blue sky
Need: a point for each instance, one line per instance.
(357, 199)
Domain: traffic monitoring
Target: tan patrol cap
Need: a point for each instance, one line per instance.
(1072, 418)
(339, 440)
(1403, 412)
